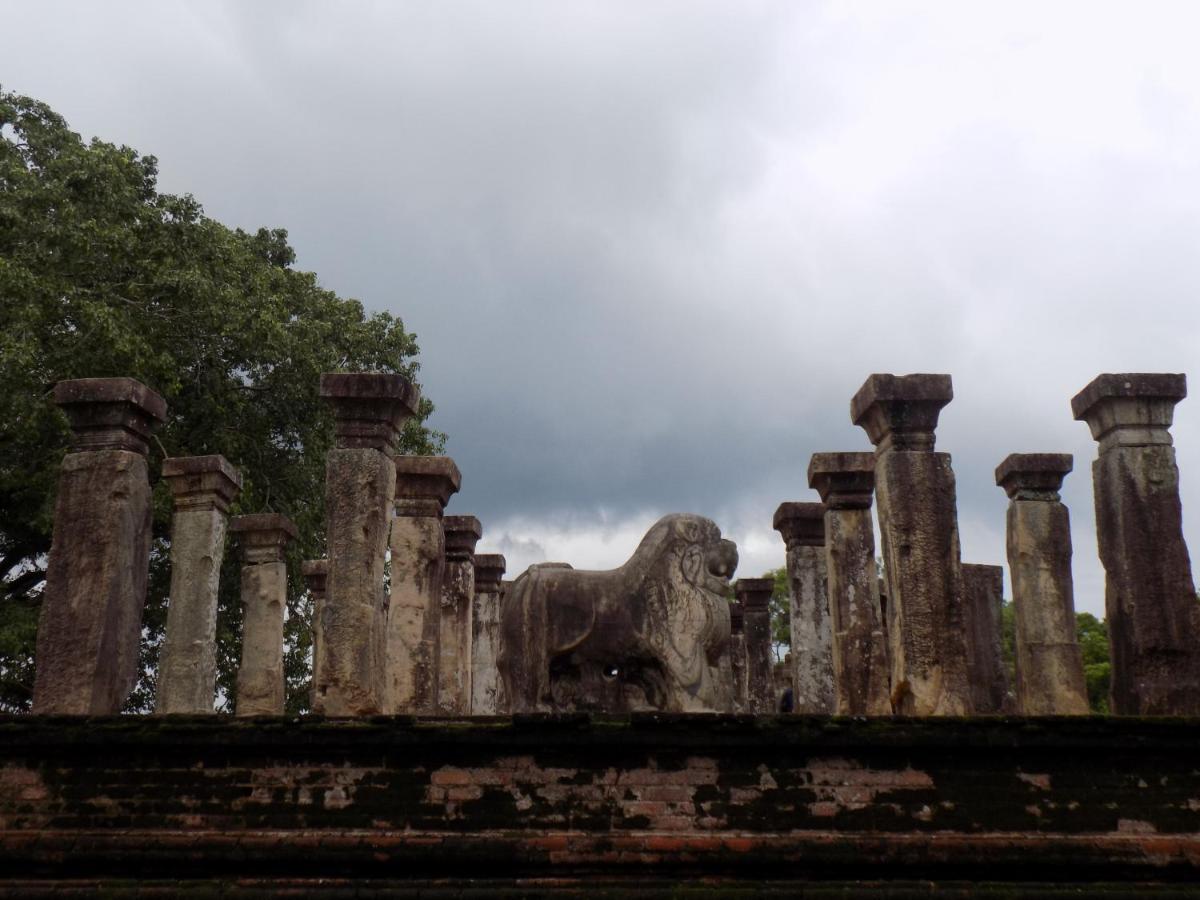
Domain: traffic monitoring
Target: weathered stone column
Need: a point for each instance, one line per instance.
(91, 619)
(918, 519)
(1150, 598)
(203, 488)
(737, 656)
(263, 538)
(424, 485)
(458, 591)
(845, 482)
(360, 488)
(1050, 679)
(755, 596)
(486, 691)
(802, 526)
(316, 574)
(983, 600)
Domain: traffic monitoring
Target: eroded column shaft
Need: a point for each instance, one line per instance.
(861, 678)
(90, 623)
(458, 590)
(983, 600)
(755, 595)
(802, 526)
(203, 487)
(486, 693)
(1150, 597)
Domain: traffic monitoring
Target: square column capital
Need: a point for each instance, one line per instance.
(316, 575)
(1033, 476)
(202, 482)
(489, 572)
(263, 536)
(754, 594)
(462, 534)
(801, 524)
(900, 412)
(424, 484)
(1131, 409)
(844, 480)
(110, 413)
(369, 408)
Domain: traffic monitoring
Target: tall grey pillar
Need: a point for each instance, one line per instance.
(458, 591)
(203, 488)
(91, 619)
(918, 519)
(486, 691)
(260, 682)
(360, 488)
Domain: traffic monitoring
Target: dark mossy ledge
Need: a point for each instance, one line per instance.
(582, 729)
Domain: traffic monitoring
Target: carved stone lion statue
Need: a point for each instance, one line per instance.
(646, 636)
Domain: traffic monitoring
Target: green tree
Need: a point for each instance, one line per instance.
(102, 275)
(780, 609)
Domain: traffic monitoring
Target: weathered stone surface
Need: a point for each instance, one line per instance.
(900, 412)
(983, 599)
(802, 526)
(647, 635)
(360, 489)
(202, 487)
(263, 538)
(110, 413)
(458, 593)
(755, 596)
(424, 485)
(1050, 677)
(369, 408)
(487, 694)
(918, 519)
(91, 618)
(1150, 597)
(861, 679)
(316, 575)
(736, 656)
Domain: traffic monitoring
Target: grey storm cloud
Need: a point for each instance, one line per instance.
(650, 252)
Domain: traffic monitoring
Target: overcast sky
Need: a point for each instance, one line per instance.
(650, 250)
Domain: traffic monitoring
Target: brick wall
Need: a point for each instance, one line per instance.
(784, 801)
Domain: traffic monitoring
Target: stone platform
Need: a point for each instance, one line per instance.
(811, 806)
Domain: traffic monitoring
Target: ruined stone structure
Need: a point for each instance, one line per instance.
(202, 487)
(918, 519)
(458, 594)
(737, 656)
(316, 575)
(91, 619)
(487, 695)
(360, 488)
(754, 594)
(647, 635)
(1050, 678)
(1150, 597)
(424, 485)
(263, 538)
(861, 679)
(606, 788)
(802, 526)
(983, 601)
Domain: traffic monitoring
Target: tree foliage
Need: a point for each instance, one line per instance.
(102, 275)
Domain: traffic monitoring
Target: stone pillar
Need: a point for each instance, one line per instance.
(1150, 598)
(983, 600)
(263, 538)
(845, 482)
(316, 574)
(203, 488)
(360, 488)
(486, 692)
(458, 591)
(918, 519)
(755, 596)
(424, 485)
(737, 656)
(1050, 679)
(91, 618)
(802, 526)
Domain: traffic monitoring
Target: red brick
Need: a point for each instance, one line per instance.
(450, 775)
